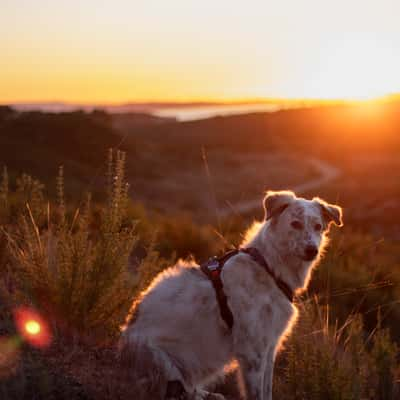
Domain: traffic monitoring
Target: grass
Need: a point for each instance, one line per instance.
(78, 279)
(324, 360)
(81, 267)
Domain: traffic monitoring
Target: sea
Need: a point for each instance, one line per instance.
(184, 112)
(192, 113)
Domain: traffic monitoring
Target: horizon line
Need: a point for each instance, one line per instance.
(233, 101)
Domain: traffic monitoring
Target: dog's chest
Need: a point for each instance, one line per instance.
(258, 305)
(272, 314)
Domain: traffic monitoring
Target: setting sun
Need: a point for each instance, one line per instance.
(185, 185)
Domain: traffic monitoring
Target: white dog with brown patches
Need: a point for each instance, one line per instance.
(176, 341)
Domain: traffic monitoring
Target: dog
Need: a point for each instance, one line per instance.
(175, 341)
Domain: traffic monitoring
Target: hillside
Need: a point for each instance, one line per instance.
(190, 189)
(219, 163)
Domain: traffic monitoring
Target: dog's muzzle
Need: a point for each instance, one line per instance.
(310, 253)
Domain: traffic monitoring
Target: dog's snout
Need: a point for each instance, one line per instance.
(311, 252)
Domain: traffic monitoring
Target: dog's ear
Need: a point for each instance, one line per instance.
(330, 212)
(276, 202)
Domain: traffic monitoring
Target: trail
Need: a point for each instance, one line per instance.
(327, 172)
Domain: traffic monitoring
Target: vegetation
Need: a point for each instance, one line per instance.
(77, 278)
(79, 259)
(327, 361)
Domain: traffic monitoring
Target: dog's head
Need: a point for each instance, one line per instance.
(300, 225)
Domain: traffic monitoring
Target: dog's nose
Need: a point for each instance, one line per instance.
(311, 252)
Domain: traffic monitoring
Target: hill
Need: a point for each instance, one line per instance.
(218, 163)
(193, 180)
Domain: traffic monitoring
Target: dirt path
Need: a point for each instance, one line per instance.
(327, 174)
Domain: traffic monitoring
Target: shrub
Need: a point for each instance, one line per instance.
(78, 279)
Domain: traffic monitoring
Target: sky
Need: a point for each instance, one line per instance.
(197, 50)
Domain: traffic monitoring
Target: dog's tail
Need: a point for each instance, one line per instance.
(143, 369)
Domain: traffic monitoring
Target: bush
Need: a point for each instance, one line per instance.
(78, 279)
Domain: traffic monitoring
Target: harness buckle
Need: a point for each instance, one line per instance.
(213, 264)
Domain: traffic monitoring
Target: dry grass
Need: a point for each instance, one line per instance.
(81, 268)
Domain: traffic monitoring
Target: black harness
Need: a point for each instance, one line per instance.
(213, 268)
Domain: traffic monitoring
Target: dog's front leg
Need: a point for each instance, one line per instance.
(268, 373)
(249, 352)
(252, 375)
(256, 367)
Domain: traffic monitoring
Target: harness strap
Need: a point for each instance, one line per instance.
(213, 268)
(258, 258)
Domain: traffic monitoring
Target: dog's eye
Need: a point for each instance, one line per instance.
(318, 227)
(297, 225)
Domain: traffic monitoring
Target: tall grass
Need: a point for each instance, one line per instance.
(76, 277)
(324, 360)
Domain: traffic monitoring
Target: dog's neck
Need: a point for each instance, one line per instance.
(291, 269)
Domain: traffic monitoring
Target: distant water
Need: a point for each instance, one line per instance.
(180, 113)
(208, 111)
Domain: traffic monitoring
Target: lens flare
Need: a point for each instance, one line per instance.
(32, 327)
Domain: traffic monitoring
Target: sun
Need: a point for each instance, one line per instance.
(355, 68)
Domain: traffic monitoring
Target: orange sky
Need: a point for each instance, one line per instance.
(139, 50)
